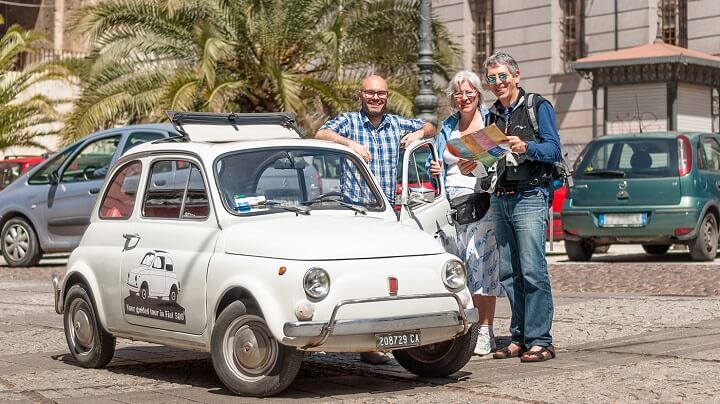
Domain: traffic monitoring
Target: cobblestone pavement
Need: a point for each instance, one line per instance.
(628, 327)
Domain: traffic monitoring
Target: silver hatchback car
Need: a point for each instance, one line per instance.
(48, 208)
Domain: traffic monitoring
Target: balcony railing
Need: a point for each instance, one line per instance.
(44, 55)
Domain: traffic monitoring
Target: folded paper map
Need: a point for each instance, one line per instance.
(486, 145)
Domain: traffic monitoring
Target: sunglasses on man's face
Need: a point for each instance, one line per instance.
(494, 79)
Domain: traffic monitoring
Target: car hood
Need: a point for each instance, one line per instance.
(319, 237)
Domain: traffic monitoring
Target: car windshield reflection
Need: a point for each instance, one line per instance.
(296, 180)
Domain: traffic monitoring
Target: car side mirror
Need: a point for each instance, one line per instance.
(54, 177)
(421, 195)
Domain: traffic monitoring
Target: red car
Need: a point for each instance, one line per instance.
(556, 224)
(14, 167)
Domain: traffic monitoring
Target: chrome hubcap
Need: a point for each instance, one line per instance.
(250, 350)
(16, 242)
(81, 326)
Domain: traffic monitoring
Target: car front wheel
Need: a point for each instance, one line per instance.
(439, 359)
(704, 246)
(581, 250)
(247, 358)
(89, 343)
(20, 246)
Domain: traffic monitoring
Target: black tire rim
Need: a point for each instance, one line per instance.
(144, 292)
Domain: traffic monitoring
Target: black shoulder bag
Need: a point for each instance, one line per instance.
(470, 208)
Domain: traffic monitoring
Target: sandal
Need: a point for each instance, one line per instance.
(543, 354)
(506, 352)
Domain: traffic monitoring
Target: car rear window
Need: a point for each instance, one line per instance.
(629, 158)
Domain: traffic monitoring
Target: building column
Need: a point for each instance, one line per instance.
(59, 25)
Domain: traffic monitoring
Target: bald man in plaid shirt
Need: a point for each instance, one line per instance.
(377, 137)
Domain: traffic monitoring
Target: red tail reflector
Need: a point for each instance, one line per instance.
(681, 231)
(684, 155)
(393, 286)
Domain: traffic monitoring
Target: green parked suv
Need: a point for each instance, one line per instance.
(653, 189)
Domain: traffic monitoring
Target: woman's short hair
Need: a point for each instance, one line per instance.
(458, 79)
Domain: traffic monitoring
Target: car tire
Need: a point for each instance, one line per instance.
(656, 249)
(581, 250)
(173, 294)
(89, 343)
(246, 356)
(20, 246)
(144, 291)
(704, 246)
(439, 359)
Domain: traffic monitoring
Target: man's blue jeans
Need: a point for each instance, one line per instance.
(520, 221)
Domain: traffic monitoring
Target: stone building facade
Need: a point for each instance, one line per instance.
(548, 36)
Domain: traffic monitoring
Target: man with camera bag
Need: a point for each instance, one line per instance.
(520, 208)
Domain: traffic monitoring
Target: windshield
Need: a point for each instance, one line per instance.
(275, 180)
(629, 158)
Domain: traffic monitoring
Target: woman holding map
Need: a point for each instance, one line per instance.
(476, 238)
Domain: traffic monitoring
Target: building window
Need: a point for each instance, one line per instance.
(673, 21)
(483, 16)
(573, 30)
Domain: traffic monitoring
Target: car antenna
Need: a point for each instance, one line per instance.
(637, 106)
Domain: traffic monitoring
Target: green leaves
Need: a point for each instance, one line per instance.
(301, 56)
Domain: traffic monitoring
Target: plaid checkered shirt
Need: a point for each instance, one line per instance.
(382, 142)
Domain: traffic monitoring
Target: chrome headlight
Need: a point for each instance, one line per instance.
(316, 283)
(454, 275)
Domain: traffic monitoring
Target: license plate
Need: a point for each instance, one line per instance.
(623, 219)
(397, 339)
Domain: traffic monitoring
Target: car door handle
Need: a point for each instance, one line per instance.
(128, 236)
(717, 185)
(94, 191)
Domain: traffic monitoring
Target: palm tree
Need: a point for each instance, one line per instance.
(23, 117)
(300, 56)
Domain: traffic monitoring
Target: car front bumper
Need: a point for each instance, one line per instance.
(322, 330)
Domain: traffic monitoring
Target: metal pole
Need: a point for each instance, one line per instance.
(426, 101)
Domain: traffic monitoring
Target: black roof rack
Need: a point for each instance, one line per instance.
(285, 119)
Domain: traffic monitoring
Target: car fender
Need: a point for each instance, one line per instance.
(80, 272)
(711, 205)
(269, 303)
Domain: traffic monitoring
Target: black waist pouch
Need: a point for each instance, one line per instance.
(470, 208)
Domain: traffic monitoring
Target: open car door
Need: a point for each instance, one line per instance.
(422, 199)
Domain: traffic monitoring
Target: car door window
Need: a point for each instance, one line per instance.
(176, 189)
(119, 200)
(711, 151)
(42, 176)
(92, 162)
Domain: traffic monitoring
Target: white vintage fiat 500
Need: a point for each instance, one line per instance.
(244, 240)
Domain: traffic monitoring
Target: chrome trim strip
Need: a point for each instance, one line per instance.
(375, 325)
(57, 285)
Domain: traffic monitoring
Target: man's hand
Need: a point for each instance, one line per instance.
(435, 167)
(411, 137)
(517, 145)
(360, 149)
(466, 166)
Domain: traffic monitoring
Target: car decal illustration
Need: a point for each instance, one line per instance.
(154, 289)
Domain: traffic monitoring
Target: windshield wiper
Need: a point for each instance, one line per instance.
(605, 173)
(357, 208)
(288, 207)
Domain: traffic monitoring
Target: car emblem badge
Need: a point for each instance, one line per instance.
(392, 286)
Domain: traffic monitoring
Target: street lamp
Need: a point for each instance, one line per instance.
(425, 101)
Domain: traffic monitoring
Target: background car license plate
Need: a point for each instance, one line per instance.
(397, 339)
(623, 219)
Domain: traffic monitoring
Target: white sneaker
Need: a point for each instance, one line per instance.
(485, 341)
